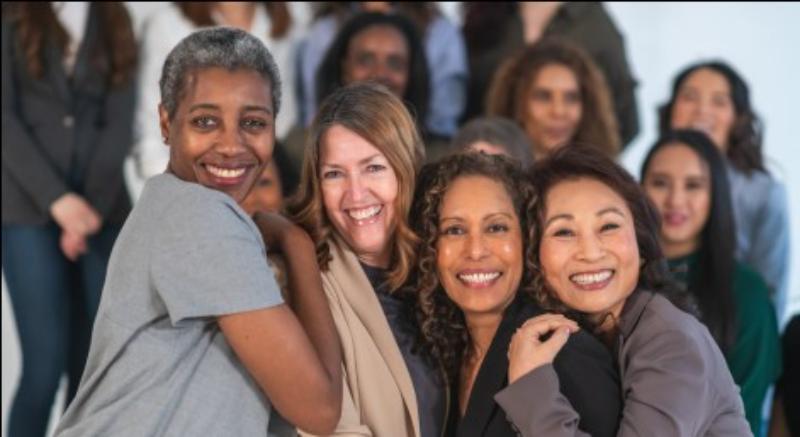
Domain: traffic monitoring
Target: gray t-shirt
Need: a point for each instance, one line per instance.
(159, 363)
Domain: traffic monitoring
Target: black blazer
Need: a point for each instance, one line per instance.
(587, 376)
(62, 134)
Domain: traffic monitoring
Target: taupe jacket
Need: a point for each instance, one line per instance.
(674, 381)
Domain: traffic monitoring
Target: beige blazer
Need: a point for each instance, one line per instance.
(379, 398)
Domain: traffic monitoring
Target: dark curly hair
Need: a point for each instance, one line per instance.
(744, 140)
(582, 161)
(444, 335)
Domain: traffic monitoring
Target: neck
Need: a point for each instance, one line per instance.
(481, 328)
(236, 14)
(677, 250)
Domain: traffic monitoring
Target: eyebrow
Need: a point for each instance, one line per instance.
(360, 162)
(485, 218)
(214, 107)
(610, 209)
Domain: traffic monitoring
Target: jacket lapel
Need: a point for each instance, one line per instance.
(492, 377)
(358, 292)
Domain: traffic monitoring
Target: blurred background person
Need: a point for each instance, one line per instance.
(273, 187)
(554, 91)
(68, 94)
(495, 31)
(713, 98)
(495, 136)
(684, 176)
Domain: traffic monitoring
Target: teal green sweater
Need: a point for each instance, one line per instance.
(755, 358)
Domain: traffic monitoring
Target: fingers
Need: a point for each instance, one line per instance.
(536, 327)
(72, 245)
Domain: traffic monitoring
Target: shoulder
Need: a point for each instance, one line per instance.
(190, 207)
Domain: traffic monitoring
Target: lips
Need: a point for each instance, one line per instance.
(479, 278)
(229, 174)
(674, 219)
(594, 280)
(364, 216)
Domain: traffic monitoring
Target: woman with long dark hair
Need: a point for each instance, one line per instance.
(685, 177)
(712, 97)
(68, 72)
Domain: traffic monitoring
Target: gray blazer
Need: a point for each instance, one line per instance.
(674, 381)
(62, 134)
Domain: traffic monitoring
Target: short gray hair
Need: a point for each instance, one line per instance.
(223, 47)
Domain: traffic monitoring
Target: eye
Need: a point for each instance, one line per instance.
(573, 97)
(658, 183)
(375, 168)
(254, 124)
(541, 96)
(609, 227)
(563, 232)
(453, 230)
(205, 122)
(332, 174)
(497, 228)
(694, 185)
(397, 64)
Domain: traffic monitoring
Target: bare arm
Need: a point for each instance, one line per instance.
(300, 367)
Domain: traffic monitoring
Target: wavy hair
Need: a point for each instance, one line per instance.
(511, 87)
(201, 15)
(375, 114)
(582, 161)
(744, 140)
(442, 326)
(114, 52)
(712, 285)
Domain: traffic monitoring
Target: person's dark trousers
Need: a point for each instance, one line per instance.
(789, 384)
(54, 302)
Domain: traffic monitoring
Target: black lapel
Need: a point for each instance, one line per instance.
(492, 377)
(85, 75)
(58, 76)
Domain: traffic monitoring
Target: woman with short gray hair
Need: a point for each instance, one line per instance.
(193, 336)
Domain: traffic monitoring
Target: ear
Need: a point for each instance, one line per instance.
(163, 122)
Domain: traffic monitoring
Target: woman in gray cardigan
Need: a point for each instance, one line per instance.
(600, 262)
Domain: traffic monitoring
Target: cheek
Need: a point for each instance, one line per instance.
(331, 196)
(681, 114)
(576, 113)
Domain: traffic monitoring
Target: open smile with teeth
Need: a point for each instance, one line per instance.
(588, 279)
(227, 173)
(362, 215)
(478, 278)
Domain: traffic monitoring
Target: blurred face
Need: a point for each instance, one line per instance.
(359, 189)
(554, 108)
(678, 183)
(223, 131)
(266, 195)
(488, 148)
(588, 252)
(479, 246)
(378, 53)
(704, 103)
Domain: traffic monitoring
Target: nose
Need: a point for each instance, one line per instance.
(355, 188)
(590, 248)
(675, 197)
(558, 107)
(230, 142)
(476, 248)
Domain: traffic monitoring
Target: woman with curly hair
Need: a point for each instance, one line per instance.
(359, 172)
(599, 260)
(712, 97)
(558, 95)
(473, 280)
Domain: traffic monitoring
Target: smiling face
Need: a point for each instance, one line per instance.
(479, 248)
(223, 131)
(704, 103)
(359, 188)
(588, 252)
(554, 108)
(678, 183)
(378, 53)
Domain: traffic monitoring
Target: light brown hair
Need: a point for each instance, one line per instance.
(371, 111)
(511, 87)
(199, 13)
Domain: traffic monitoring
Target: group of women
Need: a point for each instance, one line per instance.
(522, 289)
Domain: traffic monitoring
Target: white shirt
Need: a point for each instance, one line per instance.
(73, 17)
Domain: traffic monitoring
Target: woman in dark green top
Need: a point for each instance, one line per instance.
(684, 176)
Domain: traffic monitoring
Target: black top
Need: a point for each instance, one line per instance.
(425, 375)
(587, 375)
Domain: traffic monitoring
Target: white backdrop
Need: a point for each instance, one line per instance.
(758, 39)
